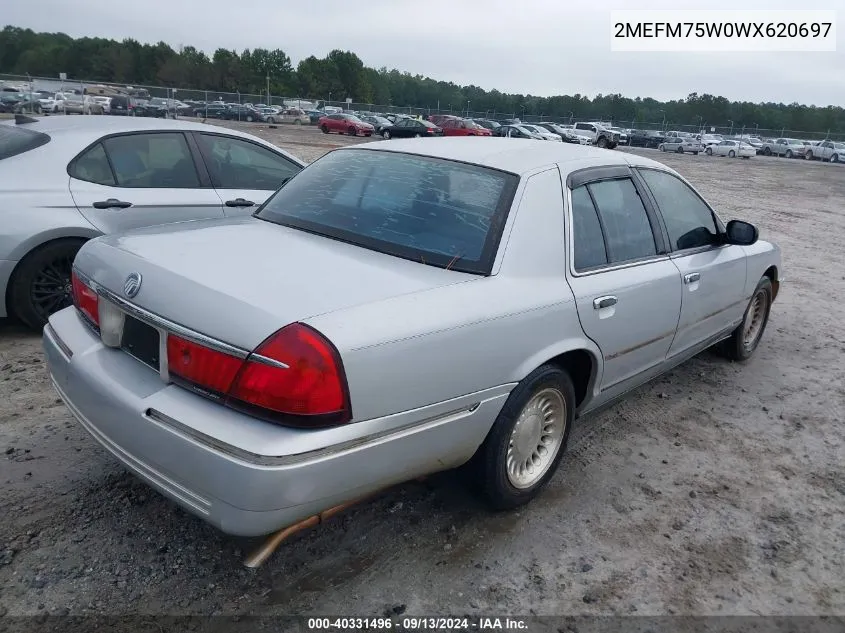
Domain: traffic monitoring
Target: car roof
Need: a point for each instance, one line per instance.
(69, 135)
(518, 156)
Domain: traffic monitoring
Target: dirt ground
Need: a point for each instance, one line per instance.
(718, 489)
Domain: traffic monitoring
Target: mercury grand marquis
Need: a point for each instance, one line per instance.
(395, 309)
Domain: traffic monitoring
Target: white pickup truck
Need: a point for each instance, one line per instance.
(601, 135)
(827, 150)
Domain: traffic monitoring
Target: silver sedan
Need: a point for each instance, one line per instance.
(63, 181)
(681, 145)
(397, 309)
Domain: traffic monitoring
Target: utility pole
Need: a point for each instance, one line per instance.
(269, 99)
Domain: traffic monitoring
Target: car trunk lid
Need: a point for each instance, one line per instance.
(240, 280)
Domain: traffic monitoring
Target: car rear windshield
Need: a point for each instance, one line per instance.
(438, 212)
(17, 140)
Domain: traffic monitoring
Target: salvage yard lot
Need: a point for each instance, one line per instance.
(716, 489)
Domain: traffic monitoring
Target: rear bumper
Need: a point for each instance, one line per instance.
(225, 467)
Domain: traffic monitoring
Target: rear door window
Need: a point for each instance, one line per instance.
(93, 166)
(17, 140)
(624, 220)
(156, 160)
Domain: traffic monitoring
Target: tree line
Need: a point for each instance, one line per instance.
(342, 74)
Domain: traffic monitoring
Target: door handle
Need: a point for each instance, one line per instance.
(239, 202)
(604, 302)
(111, 203)
(691, 277)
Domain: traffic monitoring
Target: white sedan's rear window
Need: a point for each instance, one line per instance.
(17, 140)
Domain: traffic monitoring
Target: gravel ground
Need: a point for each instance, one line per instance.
(717, 489)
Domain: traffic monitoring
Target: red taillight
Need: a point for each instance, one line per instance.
(312, 384)
(201, 365)
(85, 299)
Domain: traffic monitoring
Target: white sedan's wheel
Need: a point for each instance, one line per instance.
(536, 438)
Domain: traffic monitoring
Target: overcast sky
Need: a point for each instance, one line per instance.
(539, 47)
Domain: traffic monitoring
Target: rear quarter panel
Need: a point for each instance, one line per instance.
(35, 208)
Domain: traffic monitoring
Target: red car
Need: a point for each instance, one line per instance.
(345, 124)
(463, 127)
(437, 119)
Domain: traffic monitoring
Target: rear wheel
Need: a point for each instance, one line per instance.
(528, 438)
(731, 154)
(709, 151)
(417, 135)
(809, 156)
(767, 151)
(386, 135)
(834, 158)
(680, 149)
(352, 131)
(789, 153)
(745, 338)
(41, 282)
(324, 128)
(602, 142)
(297, 122)
(249, 118)
(661, 148)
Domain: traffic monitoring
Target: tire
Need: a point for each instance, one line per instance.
(386, 135)
(680, 149)
(297, 122)
(41, 266)
(731, 154)
(249, 118)
(789, 153)
(602, 142)
(767, 151)
(739, 347)
(834, 158)
(271, 120)
(661, 148)
(695, 153)
(352, 132)
(809, 156)
(416, 135)
(709, 151)
(549, 384)
(324, 128)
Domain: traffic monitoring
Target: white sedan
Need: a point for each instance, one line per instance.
(731, 149)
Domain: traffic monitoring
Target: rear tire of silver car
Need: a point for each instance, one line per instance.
(40, 284)
(745, 338)
(789, 153)
(528, 438)
(386, 135)
(661, 148)
(709, 151)
(767, 151)
(731, 154)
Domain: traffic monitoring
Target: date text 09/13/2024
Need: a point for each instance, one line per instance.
(419, 624)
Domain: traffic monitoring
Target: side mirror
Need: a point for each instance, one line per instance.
(741, 233)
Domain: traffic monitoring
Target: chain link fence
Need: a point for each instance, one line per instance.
(34, 84)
